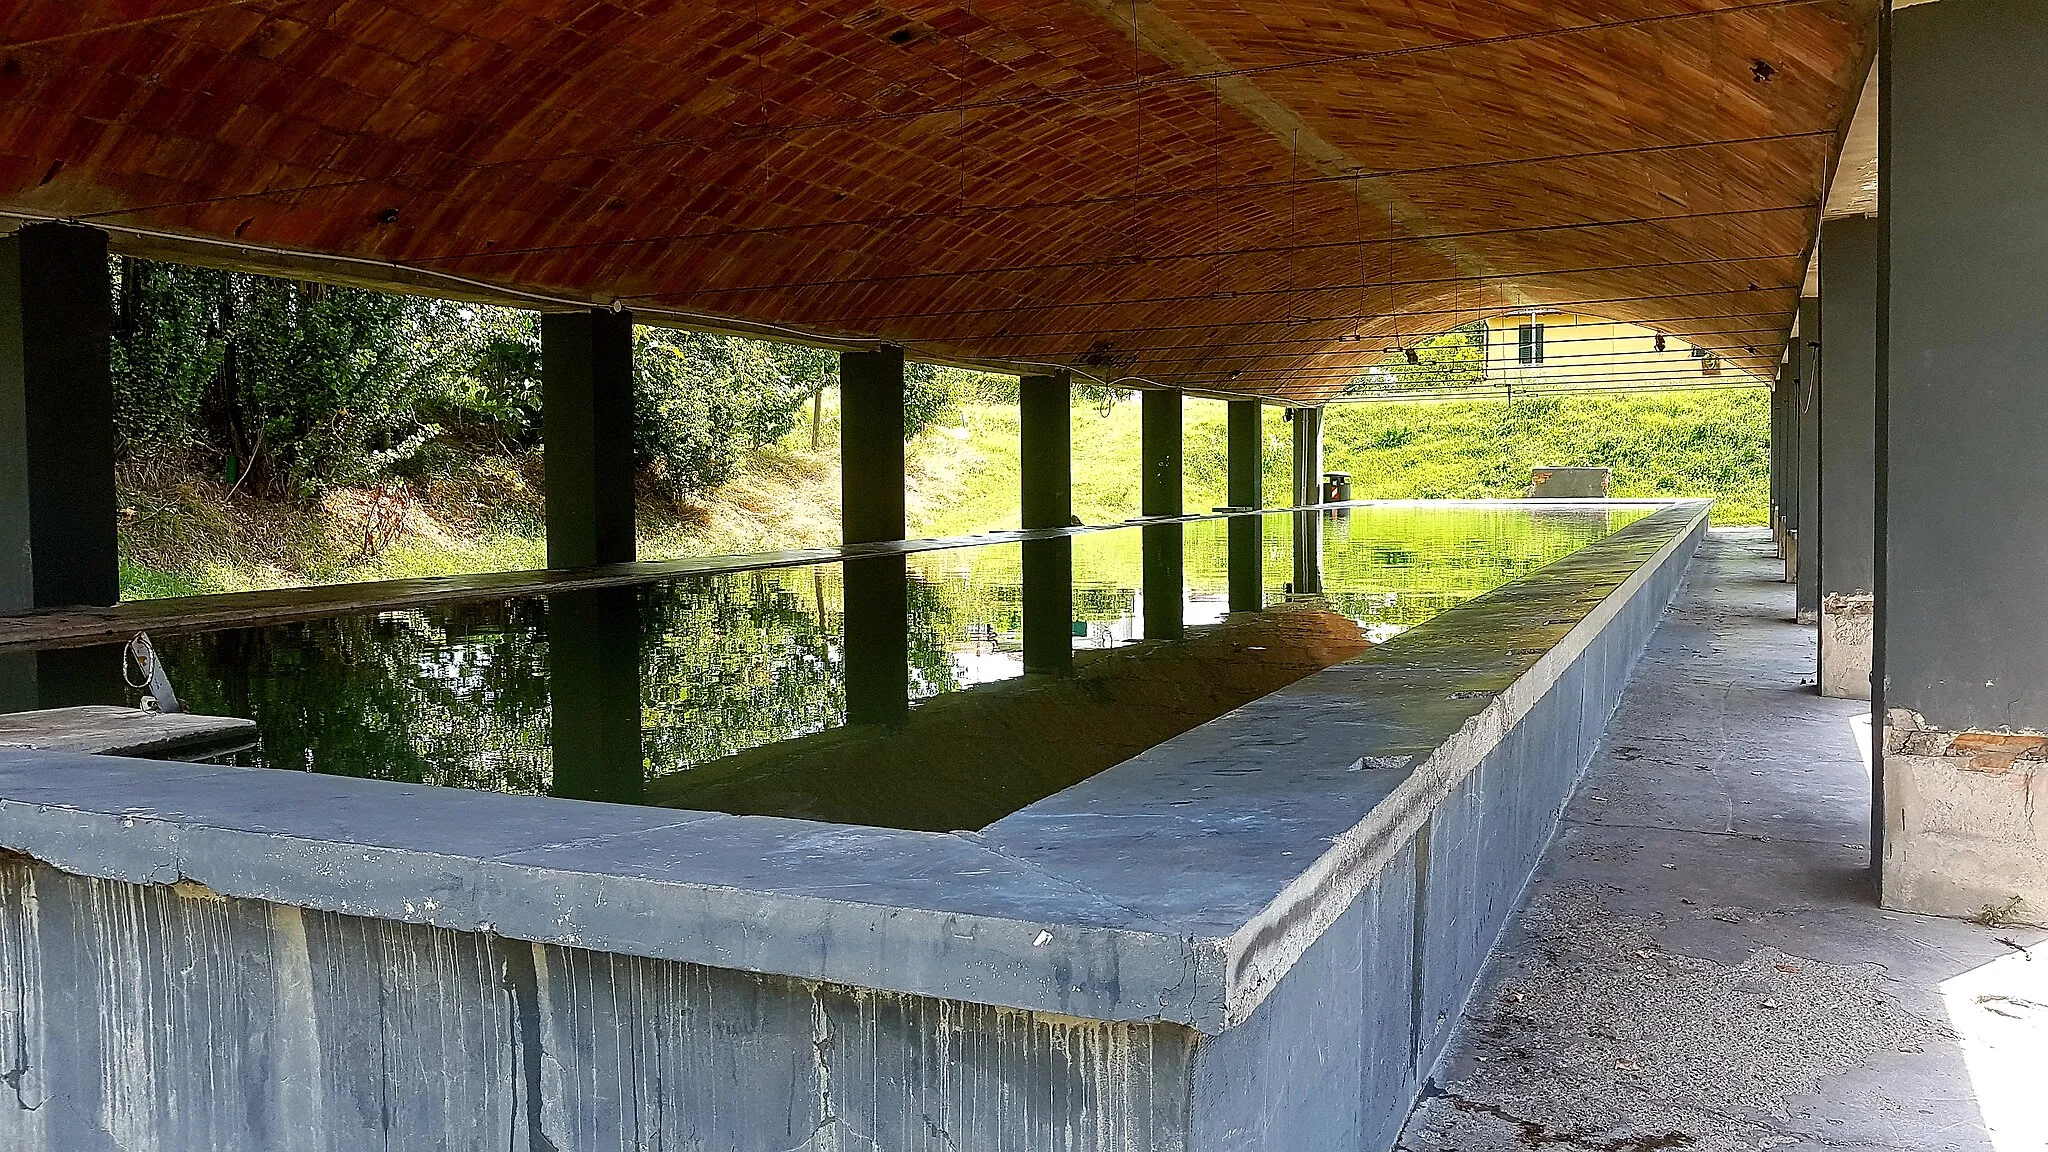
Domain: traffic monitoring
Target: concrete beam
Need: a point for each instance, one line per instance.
(1848, 388)
(586, 369)
(871, 446)
(1045, 443)
(1808, 401)
(1247, 447)
(58, 543)
(1961, 799)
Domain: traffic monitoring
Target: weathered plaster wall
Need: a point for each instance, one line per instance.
(166, 1018)
(1969, 823)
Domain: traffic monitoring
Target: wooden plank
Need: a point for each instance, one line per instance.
(110, 730)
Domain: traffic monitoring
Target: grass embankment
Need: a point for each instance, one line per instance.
(185, 533)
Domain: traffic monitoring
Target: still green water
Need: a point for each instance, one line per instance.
(890, 691)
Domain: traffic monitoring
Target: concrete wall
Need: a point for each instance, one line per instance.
(192, 1022)
(1339, 1050)
(1963, 610)
(168, 1016)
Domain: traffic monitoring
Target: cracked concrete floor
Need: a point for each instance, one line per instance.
(1700, 964)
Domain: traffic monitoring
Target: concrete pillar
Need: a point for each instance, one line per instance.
(1160, 495)
(1962, 526)
(877, 648)
(58, 542)
(594, 694)
(1780, 406)
(1307, 426)
(1159, 487)
(1848, 390)
(1788, 479)
(871, 446)
(586, 371)
(1806, 545)
(1247, 446)
(1045, 434)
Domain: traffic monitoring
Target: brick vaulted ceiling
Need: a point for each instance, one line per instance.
(1241, 196)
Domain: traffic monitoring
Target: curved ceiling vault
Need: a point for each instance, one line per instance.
(1245, 196)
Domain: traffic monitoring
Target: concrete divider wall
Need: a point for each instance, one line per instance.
(1339, 1050)
(182, 1015)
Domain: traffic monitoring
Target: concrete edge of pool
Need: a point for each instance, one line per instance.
(1178, 886)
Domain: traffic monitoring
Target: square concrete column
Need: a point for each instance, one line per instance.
(1307, 425)
(586, 373)
(1848, 452)
(871, 446)
(58, 536)
(1160, 495)
(1245, 489)
(1807, 398)
(1045, 445)
(1787, 391)
(1962, 522)
(1780, 405)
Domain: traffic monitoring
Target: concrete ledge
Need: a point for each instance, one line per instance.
(1845, 646)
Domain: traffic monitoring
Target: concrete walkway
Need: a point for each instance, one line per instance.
(1700, 964)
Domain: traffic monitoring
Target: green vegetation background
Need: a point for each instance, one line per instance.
(1706, 443)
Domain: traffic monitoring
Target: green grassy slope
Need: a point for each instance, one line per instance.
(183, 534)
(1671, 444)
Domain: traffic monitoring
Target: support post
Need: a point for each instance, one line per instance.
(1961, 669)
(1807, 544)
(1788, 510)
(1848, 390)
(1307, 424)
(58, 536)
(1045, 443)
(871, 446)
(1779, 406)
(1246, 463)
(594, 695)
(586, 370)
(1160, 495)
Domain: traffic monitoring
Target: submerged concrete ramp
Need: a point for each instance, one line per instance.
(1702, 963)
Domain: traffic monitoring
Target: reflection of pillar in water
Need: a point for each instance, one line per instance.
(1163, 611)
(1308, 553)
(1247, 563)
(62, 678)
(1049, 605)
(877, 640)
(594, 694)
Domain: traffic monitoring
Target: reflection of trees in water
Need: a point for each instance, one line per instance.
(732, 662)
(457, 696)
